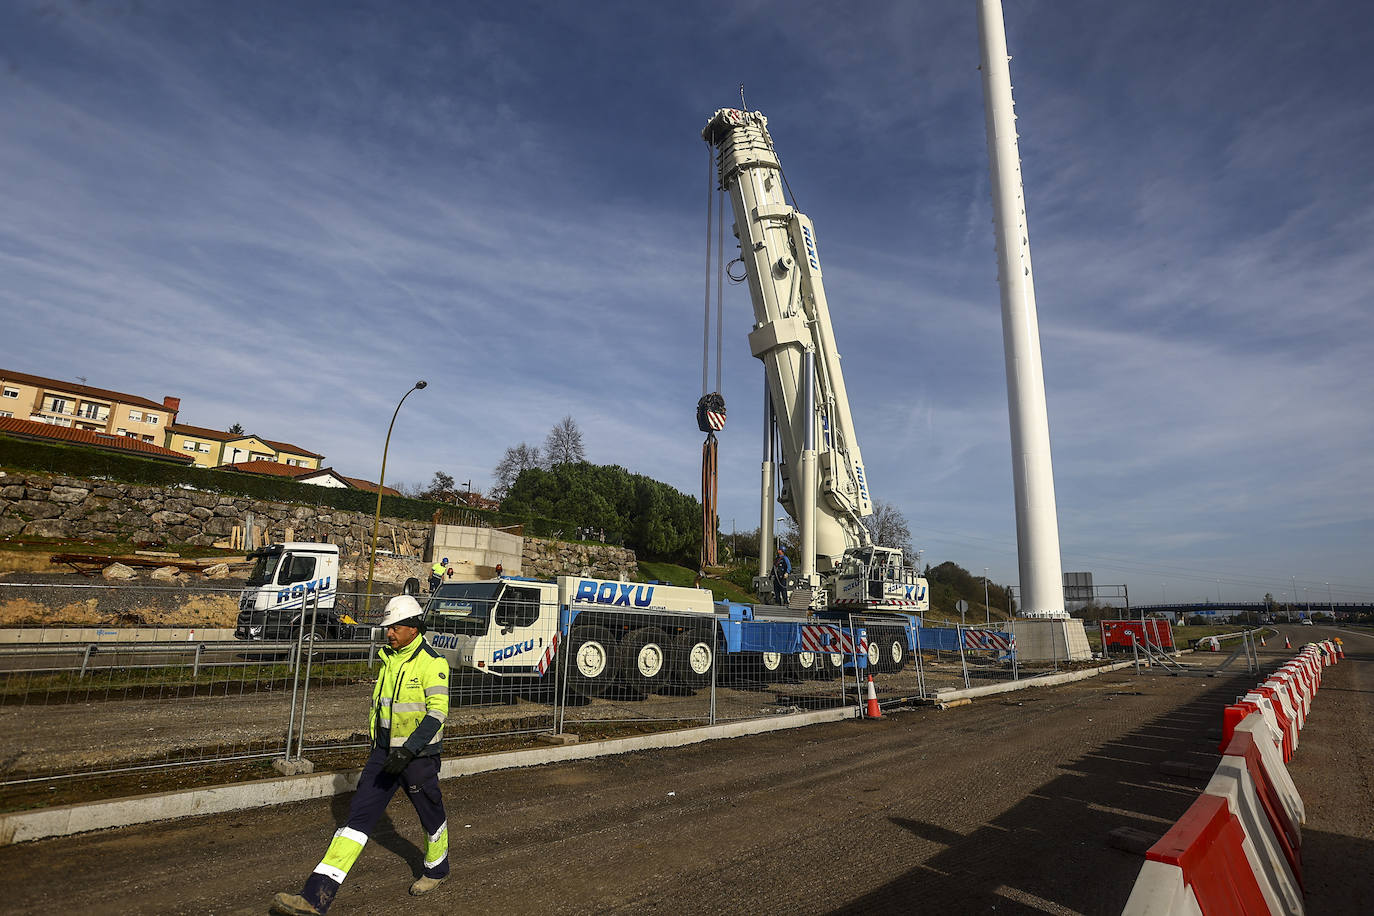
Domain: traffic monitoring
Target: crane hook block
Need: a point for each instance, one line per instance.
(711, 412)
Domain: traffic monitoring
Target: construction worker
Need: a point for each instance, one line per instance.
(436, 573)
(782, 568)
(409, 705)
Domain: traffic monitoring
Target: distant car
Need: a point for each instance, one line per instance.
(1307, 623)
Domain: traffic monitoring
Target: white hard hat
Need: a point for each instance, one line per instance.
(401, 609)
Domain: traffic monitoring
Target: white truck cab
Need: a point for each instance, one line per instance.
(501, 626)
(286, 578)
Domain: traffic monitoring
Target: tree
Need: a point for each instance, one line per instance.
(650, 517)
(440, 489)
(517, 458)
(564, 444)
(888, 528)
(235, 430)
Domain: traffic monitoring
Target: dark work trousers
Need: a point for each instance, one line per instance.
(375, 789)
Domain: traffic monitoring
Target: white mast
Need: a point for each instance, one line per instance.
(1037, 521)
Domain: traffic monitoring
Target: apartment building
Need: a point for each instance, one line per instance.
(84, 407)
(210, 448)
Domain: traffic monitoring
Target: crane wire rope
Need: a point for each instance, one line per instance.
(711, 406)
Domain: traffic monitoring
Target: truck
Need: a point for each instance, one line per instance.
(820, 479)
(290, 580)
(638, 637)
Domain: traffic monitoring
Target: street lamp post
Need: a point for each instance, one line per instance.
(1289, 616)
(986, 609)
(1163, 593)
(1330, 605)
(381, 482)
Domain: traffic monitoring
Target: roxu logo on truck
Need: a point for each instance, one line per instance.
(519, 648)
(303, 588)
(616, 594)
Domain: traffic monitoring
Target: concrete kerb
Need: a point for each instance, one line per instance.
(1043, 680)
(66, 820)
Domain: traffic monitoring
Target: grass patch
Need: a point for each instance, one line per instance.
(673, 574)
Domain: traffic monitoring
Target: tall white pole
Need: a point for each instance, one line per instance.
(1037, 518)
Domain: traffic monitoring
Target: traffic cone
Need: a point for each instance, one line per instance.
(1287, 643)
(1216, 646)
(1340, 649)
(1262, 642)
(874, 712)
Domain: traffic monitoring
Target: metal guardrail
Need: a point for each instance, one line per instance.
(336, 650)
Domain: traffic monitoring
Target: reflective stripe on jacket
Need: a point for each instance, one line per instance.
(410, 698)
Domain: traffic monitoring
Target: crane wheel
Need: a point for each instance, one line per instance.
(693, 657)
(645, 660)
(592, 661)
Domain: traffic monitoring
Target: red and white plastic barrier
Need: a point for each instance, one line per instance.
(1238, 849)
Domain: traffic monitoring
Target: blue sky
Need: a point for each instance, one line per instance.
(284, 214)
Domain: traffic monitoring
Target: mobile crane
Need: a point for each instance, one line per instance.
(824, 488)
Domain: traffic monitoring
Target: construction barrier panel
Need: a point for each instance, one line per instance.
(1208, 846)
(1265, 856)
(1238, 848)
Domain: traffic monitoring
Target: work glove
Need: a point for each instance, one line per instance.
(397, 761)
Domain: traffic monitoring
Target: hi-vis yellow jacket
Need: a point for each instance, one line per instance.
(410, 699)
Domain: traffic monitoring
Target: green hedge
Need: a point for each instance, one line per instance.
(96, 464)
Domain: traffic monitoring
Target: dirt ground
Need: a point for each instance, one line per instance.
(1002, 806)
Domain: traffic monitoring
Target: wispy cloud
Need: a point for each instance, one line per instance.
(285, 215)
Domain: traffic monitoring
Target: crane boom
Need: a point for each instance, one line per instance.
(791, 317)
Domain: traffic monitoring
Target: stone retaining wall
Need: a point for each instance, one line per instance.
(36, 505)
(544, 559)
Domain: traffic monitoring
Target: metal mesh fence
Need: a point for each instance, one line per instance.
(124, 677)
(922, 662)
(153, 676)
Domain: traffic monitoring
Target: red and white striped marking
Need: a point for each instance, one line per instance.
(549, 653)
(823, 638)
(988, 639)
(879, 602)
(716, 420)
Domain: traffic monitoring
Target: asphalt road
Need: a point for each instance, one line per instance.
(1002, 806)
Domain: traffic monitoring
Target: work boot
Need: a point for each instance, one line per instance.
(292, 905)
(424, 885)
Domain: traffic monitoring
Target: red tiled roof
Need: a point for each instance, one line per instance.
(200, 432)
(370, 486)
(288, 447)
(29, 429)
(102, 393)
(268, 468)
(220, 435)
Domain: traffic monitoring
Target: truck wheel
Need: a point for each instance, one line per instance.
(643, 658)
(592, 666)
(771, 664)
(896, 652)
(808, 665)
(309, 641)
(694, 657)
(876, 661)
